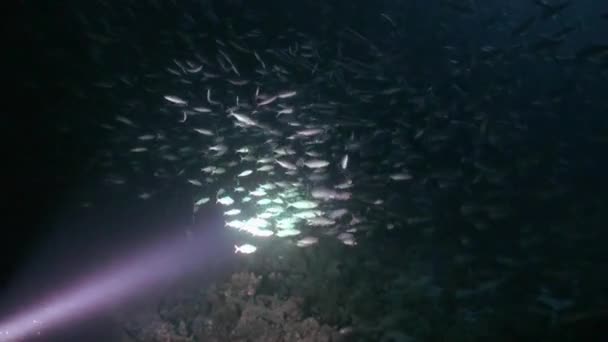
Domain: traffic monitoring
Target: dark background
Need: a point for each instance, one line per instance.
(51, 114)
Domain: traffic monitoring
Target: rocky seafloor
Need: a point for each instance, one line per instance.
(339, 293)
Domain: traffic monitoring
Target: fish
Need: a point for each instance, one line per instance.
(245, 249)
(243, 119)
(227, 200)
(287, 94)
(265, 168)
(288, 232)
(232, 212)
(175, 100)
(285, 111)
(258, 193)
(328, 194)
(320, 221)
(286, 164)
(400, 176)
(201, 201)
(337, 213)
(209, 98)
(245, 173)
(200, 109)
(267, 101)
(344, 162)
(257, 57)
(385, 16)
(125, 120)
(347, 239)
(261, 232)
(146, 137)
(237, 224)
(203, 131)
(264, 201)
(304, 204)
(316, 163)
(310, 132)
(307, 241)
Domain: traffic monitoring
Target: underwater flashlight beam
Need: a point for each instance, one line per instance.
(109, 287)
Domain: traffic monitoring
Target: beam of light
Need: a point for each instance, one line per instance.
(99, 291)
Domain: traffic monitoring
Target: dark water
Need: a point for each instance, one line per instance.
(52, 131)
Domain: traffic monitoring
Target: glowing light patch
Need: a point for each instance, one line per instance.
(106, 288)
